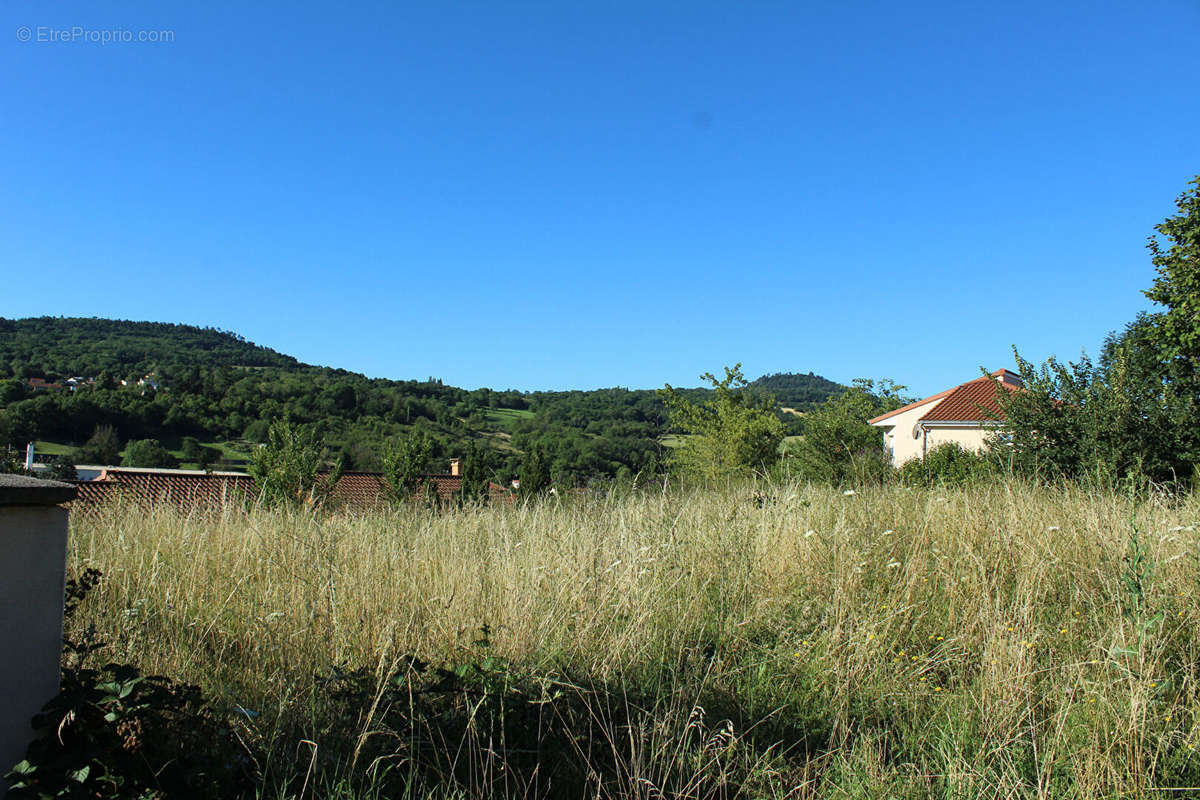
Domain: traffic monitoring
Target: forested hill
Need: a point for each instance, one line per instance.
(793, 390)
(216, 388)
(88, 346)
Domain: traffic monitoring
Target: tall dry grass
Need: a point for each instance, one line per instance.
(998, 641)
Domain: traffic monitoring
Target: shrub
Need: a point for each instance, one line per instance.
(112, 732)
(405, 462)
(102, 448)
(148, 453)
(731, 434)
(257, 431)
(1131, 416)
(285, 468)
(839, 447)
(948, 464)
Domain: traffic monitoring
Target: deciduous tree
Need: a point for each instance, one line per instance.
(405, 462)
(838, 446)
(285, 468)
(734, 432)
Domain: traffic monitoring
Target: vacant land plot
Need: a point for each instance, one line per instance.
(1003, 641)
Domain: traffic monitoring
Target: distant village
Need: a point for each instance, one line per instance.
(72, 384)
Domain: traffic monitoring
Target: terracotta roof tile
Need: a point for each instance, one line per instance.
(909, 407)
(190, 490)
(974, 401)
(93, 493)
(185, 490)
(956, 401)
(359, 489)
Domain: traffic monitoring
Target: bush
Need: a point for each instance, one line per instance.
(62, 468)
(195, 452)
(257, 431)
(1131, 416)
(285, 468)
(948, 464)
(112, 732)
(102, 448)
(405, 462)
(730, 435)
(839, 447)
(148, 453)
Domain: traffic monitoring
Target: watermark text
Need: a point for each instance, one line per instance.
(80, 34)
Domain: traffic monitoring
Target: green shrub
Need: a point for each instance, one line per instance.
(730, 435)
(102, 448)
(948, 464)
(839, 447)
(148, 453)
(285, 468)
(112, 732)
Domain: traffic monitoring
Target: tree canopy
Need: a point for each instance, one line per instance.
(736, 430)
(213, 386)
(1132, 414)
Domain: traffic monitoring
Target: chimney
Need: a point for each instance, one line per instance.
(455, 468)
(29, 456)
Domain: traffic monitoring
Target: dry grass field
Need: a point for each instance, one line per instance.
(997, 641)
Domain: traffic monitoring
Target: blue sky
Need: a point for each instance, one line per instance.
(575, 195)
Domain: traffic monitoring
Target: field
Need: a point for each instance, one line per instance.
(238, 451)
(999, 641)
(506, 418)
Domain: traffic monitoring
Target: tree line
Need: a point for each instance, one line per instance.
(215, 387)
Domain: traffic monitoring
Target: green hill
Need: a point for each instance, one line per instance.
(217, 387)
(64, 346)
(798, 391)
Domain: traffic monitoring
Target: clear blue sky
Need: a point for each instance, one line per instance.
(556, 195)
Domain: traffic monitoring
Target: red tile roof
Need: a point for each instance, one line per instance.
(189, 490)
(358, 489)
(93, 493)
(973, 401)
(186, 489)
(369, 489)
(909, 407)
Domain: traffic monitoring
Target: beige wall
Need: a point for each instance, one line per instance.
(973, 439)
(33, 549)
(898, 435)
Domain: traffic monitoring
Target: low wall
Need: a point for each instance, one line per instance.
(33, 555)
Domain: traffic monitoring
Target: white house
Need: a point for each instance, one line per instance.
(965, 415)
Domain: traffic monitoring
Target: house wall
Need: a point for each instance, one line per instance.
(897, 433)
(973, 439)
